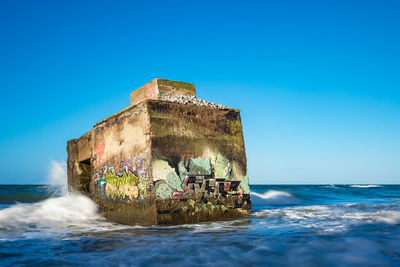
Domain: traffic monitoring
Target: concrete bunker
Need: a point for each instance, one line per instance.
(168, 158)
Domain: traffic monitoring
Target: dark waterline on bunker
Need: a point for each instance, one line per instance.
(302, 225)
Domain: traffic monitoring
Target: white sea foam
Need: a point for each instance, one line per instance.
(273, 197)
(330, 218)
(63, 213)
(365, 185)
(272, 194)
(73, 212)
(391, 217)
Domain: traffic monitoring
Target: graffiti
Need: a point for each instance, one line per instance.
(162, 189)
(197, 178)
(223, 167)
(194, 178)
(245, 184)
(130, 181)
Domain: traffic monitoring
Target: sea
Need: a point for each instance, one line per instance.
(291, 225)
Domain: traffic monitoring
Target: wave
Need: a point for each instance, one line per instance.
(330, 218)
(390, 217)
(365, 185)
(72, 212)
(273, 198)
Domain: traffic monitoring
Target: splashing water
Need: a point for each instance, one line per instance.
(74, 212)
(57, 173)
(57, 177)
(290, 226)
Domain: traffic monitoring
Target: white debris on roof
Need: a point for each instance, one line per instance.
(191, 100)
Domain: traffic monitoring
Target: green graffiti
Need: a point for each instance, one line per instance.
(245, 183)
(163, 191)
(163, 171)
(182, 170)
(193, 167)
(196, 179)
(174, 181)
(199, 166)
(223, 167)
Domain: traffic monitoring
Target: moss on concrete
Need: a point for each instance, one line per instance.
(190, 211)
(165, 86)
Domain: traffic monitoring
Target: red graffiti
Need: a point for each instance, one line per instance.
(227, 186)
(185, 194)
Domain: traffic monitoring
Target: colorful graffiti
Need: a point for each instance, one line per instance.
(130, 181)
(193, 178)
(223, 167)
(197, 178)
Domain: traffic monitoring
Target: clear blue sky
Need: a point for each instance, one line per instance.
(318, 82)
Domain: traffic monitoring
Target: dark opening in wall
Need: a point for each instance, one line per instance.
(86, 175)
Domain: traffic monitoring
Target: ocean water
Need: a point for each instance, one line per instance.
(291, 225)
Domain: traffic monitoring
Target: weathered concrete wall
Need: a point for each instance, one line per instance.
(158, 88)
(199, 162)
(120, 178)
(78, 163)
(121, 167)
(160, 162)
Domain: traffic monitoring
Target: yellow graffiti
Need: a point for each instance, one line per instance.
(126, 183)
(115, 180)
(124, 191)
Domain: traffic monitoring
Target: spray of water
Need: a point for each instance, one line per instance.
(57, 178)
(63, 210)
